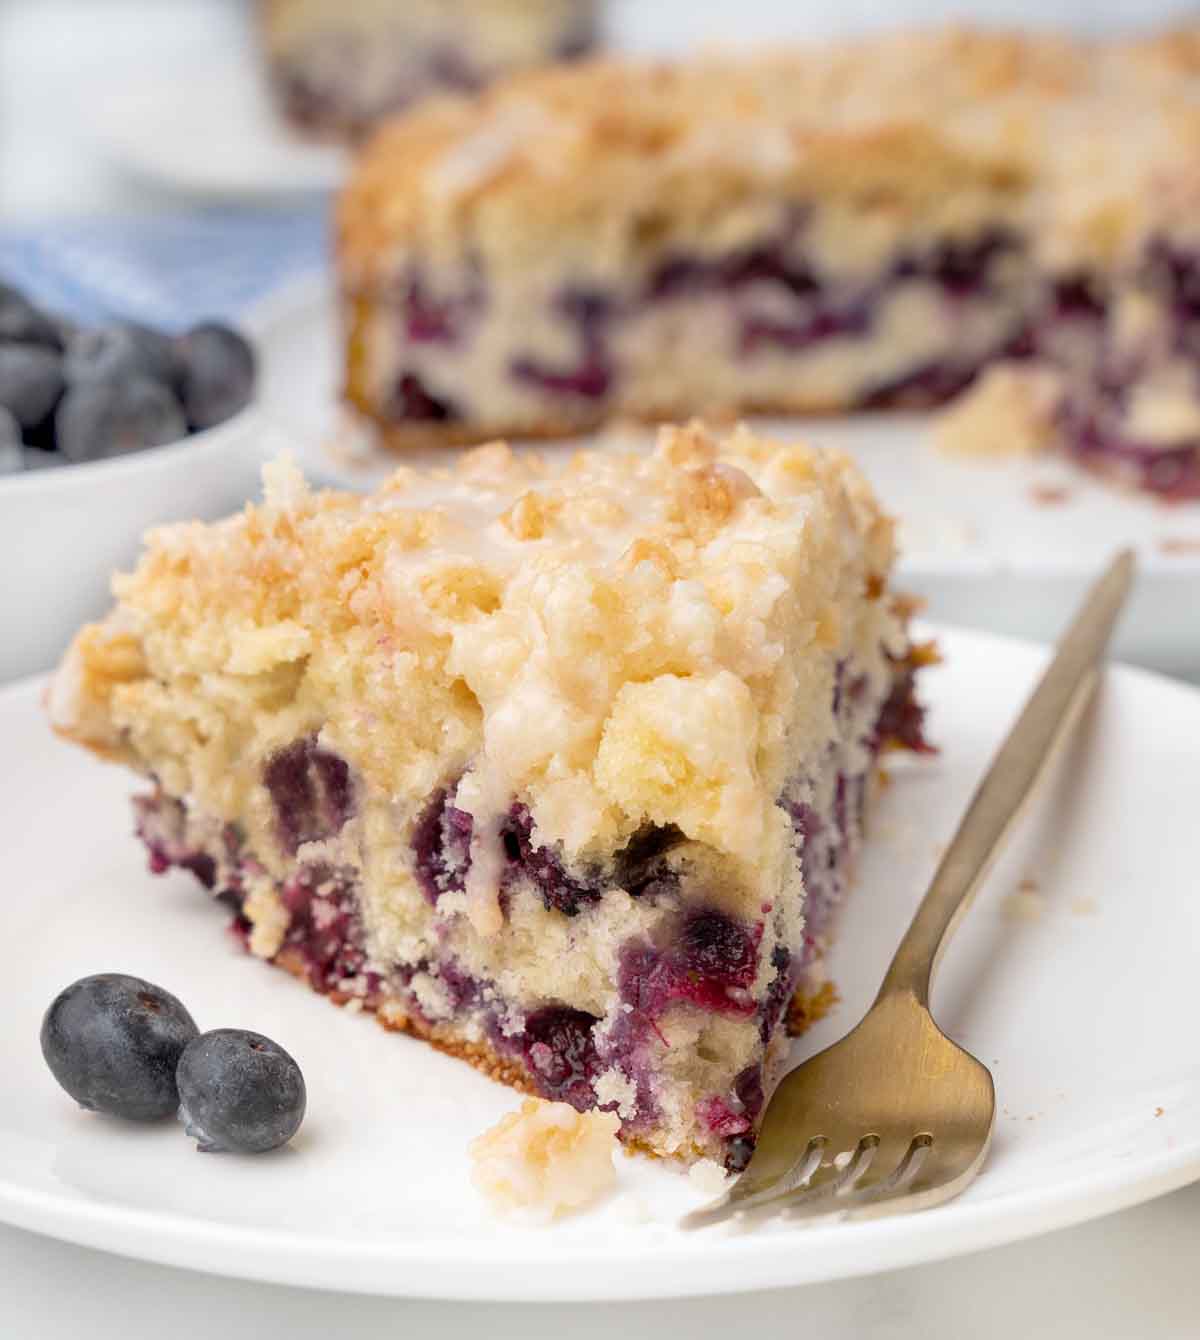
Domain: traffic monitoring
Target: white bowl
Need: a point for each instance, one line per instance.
(63, 532)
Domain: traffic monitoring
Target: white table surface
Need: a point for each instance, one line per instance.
(1131, 1276)
(1128, 1275)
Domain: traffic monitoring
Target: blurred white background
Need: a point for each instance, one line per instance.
(59, 58)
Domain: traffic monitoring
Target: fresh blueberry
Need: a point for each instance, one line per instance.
(31, 381)
(11, 459)
(717, 949)
(738, 1153)
(218, 374)
(113, 1042)
(22, 323)
(101, 419)
(121, 352)
(239, 1092)
(38, 459)
(560, 1049)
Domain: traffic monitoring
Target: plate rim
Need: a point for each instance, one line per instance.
(664, 1269)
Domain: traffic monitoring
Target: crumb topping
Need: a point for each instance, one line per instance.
(546, 1159)
(1080, 142)
(617, 640)
(1010, 411)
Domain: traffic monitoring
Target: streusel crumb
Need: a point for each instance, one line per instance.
(708, 1177)
(1009, 412)
(546, 1159)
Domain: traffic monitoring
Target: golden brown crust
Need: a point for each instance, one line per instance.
(439, 1036)
(805, 1009)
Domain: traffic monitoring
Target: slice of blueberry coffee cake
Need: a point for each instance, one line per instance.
(847, 227)
(336, 67)
(560, 767)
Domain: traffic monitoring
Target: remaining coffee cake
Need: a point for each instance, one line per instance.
(847, 227)
(337, 66)
(562, 768)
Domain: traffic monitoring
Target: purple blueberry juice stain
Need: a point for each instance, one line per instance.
(1091, 426)
(1171, 272)
(748, 1089)
(312, 792)
(722, 1120)
(676, 276)
(805, 331)
(463, 990)
(559, 891)
(451, 68)
(411, 399)
(960, 266)
(711, 964)
(807, 824)
(161, 822)
(307, 102)
(737, 1112)
(782, 987)
(921, 388)
(240, 925)
(560, 1052)
(441, 844)
(441, 318)
(901, 720)
(579, 40)
(716, 953)
(641, 868)
(590, 377)
(326, 928)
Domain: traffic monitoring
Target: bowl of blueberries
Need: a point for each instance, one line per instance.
(105, 430)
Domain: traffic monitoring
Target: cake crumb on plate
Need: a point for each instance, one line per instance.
(708, 1177)
(546, 1158)
(1025, 903)
(1011, 411)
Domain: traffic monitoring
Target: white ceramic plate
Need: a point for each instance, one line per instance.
(977, 543)
(1085, 1014)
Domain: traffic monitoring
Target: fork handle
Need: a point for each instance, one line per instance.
(1045, 723)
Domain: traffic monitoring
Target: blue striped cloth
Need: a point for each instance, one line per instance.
(167, 271)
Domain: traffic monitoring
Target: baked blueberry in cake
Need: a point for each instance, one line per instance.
(336, 67)
(561, 766)
(849, 227)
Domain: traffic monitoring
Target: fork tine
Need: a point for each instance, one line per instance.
(846, 1194)
(830, 1183)
(896, 1185)
(744, 1195)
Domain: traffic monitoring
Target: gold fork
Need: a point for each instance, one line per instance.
(895, 1116)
